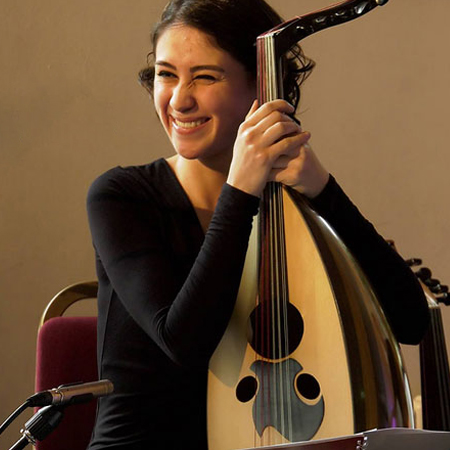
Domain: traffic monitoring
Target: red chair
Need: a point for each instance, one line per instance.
(66, 353)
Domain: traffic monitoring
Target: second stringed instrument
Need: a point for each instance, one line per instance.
(308, 353)
(434, 364)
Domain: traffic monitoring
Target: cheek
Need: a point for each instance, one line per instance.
(238, 107)
(248, 96)
(242, 100)
(234, 103)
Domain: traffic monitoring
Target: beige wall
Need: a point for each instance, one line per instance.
(70, 108)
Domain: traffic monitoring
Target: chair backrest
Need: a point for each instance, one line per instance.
(66, 353)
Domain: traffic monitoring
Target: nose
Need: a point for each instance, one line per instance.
(182, 98)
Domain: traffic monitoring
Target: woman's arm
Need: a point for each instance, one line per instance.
(394, 283)
(185, 317)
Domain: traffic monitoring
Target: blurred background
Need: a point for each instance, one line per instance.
(71, 107)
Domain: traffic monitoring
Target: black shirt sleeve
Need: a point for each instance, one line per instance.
(396, 286)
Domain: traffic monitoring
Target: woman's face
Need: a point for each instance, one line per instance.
(201, 93)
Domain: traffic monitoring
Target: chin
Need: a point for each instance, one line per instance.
(192, 151)
(188, 153)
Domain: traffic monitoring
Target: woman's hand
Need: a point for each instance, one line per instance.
(304, 173)
(270, 146)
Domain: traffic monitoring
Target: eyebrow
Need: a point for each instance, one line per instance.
(194, 68)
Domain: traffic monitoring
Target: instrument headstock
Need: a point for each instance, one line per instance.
(434, 290)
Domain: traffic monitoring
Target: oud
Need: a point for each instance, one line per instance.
(308, 353)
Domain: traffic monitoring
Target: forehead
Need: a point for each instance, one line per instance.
(183, 43)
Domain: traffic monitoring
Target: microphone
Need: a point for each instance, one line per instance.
(69, 394)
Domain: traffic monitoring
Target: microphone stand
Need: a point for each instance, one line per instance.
(40, 426)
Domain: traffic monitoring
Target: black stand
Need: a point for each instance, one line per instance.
(40, 426)
(21, 443)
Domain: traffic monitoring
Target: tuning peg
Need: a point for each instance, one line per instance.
(435, 288)
(413, 262)
(424, 273)
(444, 298)
(438, 288)
(433, 284)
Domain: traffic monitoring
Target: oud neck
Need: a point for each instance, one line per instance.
(270, 86)
(272, 44)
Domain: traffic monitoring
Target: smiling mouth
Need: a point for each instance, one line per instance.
(191, 124)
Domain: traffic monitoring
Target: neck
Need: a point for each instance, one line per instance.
(202, 183)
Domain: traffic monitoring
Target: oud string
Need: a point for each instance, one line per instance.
(279, 301)
(276, 300)
(274, 306)
(268, 381)
(271, 93)
(275, 379)
(279, 317)
(284, 300)
(283, 400)
(265, 317)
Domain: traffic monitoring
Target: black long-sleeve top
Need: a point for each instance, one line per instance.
(167, 290)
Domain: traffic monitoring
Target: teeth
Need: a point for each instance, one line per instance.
(194, 124)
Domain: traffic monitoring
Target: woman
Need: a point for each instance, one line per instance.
(171, 236)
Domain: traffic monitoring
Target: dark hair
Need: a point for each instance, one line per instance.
(235, 25)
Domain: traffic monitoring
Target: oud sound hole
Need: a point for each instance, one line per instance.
(275, 331)
(308, 386)
(246, 389)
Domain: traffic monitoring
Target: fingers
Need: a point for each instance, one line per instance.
(267, 141)
(270, 123)
(303, 172)
(276, 128)
(289, 146)
(257, 115)
(252, 110)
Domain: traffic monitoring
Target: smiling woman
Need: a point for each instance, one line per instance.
(201, 94)
(171, 236)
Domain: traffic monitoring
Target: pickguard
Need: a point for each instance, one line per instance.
(279, 405)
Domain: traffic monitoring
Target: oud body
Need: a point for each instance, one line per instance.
(347, 348)
(308, 353)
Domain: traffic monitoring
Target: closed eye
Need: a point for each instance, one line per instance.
(206, 78)
(165, 74)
